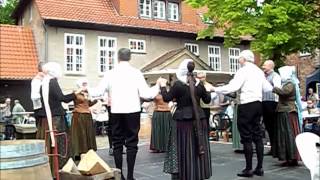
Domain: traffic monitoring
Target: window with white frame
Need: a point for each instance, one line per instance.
(74, 52)
(214, 57)
(194, 48)
(138, 46)
(234, 59)
(145, 8)
(159, 9)
(107, 53)
(173, 11)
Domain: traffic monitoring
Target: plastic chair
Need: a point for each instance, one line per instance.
(309, 152)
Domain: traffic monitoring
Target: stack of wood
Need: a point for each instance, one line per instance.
(91, 167)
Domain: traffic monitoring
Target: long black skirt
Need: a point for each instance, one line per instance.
(160, 130)
(191, 165)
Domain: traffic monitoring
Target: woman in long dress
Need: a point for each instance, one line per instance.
(287, 127)
(161, 120)
(192, 163)
(52, 111)
(82, 128)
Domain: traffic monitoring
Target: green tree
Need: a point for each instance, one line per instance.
(6, 10)
(277, 27)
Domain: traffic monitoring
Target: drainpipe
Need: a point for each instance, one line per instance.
(45, 42)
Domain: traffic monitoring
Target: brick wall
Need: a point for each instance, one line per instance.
(188, 14)
(129, 7)
(126, 7)
(305, 66)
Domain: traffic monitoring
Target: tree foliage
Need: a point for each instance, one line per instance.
(277, 27)
(6, 10)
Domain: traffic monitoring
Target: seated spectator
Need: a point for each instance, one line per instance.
(5, 109)
(312, 99)
(16, 111)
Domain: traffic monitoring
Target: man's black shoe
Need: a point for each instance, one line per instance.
(245, 173)
(258, 172)
(239, 151)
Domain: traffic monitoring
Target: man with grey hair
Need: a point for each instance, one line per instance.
(270, 100)
(125, 85)
(251, 82)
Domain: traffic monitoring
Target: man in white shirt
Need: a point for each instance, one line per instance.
(125, 85)
(270, 100)
(251, 82)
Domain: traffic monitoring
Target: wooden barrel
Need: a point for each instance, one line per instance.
(24, 160)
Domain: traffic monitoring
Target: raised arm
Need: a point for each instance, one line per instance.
(169, 95)
(205, 96)
(145, 91)
(56, 91)
(99, 91)
(234, 85)
(286, 90)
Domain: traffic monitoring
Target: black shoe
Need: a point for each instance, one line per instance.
(258, 172)
(110, 152)
(245, 173)
(239, 151)
(293, 163)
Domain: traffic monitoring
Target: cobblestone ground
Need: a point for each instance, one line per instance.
(225, 162)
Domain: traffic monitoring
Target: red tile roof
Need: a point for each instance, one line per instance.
(18, 54)
(103, 12)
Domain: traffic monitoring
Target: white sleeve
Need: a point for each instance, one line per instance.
(234, 85)
(144, 90)
(35, 88)
(276, 81)
(99, 91)
(266, 86)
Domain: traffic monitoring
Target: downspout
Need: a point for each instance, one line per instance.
(45, 42)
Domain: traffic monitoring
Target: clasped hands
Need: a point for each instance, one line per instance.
(162, 82)
(209, 87)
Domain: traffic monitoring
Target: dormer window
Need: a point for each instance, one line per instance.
(145, 8)
(173, 11)
(159, 9)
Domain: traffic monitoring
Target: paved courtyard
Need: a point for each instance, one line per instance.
(224, 161)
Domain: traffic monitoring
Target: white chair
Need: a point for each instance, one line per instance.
(310, 154)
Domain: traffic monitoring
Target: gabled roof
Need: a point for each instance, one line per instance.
(95, 13)
(18, 54)
(170, 60)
